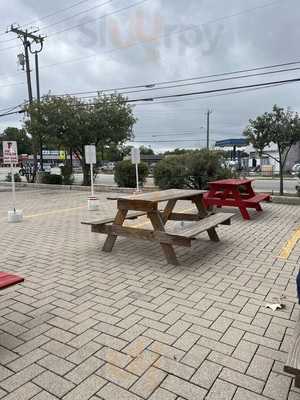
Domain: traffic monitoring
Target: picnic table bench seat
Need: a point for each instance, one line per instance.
(133, 215)
(7, 279)
(292, 365)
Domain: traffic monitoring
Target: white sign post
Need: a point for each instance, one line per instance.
(10, 156)
(90, 158)
(136, 159)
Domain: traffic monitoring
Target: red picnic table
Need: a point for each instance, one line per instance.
(234, 193)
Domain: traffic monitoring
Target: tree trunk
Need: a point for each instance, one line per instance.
(281, 166)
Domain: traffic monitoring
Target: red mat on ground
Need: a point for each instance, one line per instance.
(7, 279)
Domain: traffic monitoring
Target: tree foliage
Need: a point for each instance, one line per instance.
(193, 170)
(18, 135)
(281, 127)
(70, 124)
(125, 174)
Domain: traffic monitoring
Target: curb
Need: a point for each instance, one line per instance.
(77, 188)
(289, 200)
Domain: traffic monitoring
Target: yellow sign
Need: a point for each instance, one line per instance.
(62, 155)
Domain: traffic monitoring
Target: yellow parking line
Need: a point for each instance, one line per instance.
(53, 212)
(290, 244)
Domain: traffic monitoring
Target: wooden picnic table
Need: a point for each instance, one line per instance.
(146, 204)
(235, 193)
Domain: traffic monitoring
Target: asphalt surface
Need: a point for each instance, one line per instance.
(260, 184)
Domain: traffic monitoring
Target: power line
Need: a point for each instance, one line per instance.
(149, 86)
(286, 81)
(46, 16)
(208, 97)
(76, 15)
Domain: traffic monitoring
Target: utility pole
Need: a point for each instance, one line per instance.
(27, 39)
(38, 92)
(208, 128)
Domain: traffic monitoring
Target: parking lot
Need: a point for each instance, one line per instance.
(89, 325)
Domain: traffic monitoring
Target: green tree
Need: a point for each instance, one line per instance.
(71, 124)
(193, 169)
(18, 135)
(146, 151)
(281, 127)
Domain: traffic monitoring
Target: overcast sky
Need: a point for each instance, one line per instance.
(117, 43)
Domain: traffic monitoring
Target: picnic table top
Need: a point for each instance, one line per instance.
(231, 182)
(159, 196)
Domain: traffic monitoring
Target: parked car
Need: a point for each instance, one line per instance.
(108, 167)
(295, 169)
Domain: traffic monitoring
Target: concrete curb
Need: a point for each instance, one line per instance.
(290, 200)
(77, 188)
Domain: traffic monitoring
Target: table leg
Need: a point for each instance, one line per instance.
(168, 210)
(199, 203)
(158, 225)
(212, 233)
(111, 239)
(239, 202)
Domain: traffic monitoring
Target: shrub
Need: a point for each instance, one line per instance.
(171, 172)
(16, 176)
(67, 175)
(51, 179)
(124, 174)
(191, 170)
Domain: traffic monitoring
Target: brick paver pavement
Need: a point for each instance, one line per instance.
(127, 326)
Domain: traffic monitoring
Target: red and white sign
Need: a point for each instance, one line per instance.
(10, 152)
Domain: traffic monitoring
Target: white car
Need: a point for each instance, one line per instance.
(295, 169)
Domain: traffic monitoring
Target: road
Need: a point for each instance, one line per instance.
(267, 185)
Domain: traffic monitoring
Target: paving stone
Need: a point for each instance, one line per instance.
(175, 368)
(244, 394)
(43, 395)
(27, 360)
(146, 385)
(277, 386)
(228, 361)
(117, 375)
(137, 346)
(206, 374)
(221, 391)
(78, 356)
(260, 367)
(195, 356)
(186, 341)
(221, 324)
(167, 351)
(114, 357)
(114, 392)
(56, 364)
(182, 388)
(142, 362)
(215, 345)
(20, 378)
(239, 379)
(162, 394)
(111, 341)
(53, 383)
(86, 389)
(58, 349)
(245, 351)
(84, 369)
(232, 336)
(24, 392)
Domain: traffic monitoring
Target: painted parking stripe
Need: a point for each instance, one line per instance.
(290, 245)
